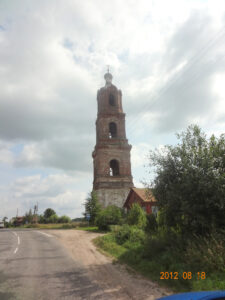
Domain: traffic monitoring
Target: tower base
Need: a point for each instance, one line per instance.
(116, 197)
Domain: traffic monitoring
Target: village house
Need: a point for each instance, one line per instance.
(18, 221)
(144, 198)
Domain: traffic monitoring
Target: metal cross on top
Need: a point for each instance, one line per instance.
(108, 68)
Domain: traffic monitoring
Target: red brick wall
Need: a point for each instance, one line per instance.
(107, 148)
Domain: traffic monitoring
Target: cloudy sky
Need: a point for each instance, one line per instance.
(167, 57)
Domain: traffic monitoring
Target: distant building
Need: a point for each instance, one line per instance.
(18, 221)
(111, 156)
(144, 198)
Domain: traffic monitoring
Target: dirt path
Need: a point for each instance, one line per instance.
(114, 279)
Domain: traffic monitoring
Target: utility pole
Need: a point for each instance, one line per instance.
(35, 212)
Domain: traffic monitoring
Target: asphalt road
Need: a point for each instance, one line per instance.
(34, 265)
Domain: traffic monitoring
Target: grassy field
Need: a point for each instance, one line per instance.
(177, 269)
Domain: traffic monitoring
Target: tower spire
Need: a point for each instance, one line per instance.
(108, 77)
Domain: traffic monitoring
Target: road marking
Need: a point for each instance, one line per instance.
(49, 235)
(18, 241)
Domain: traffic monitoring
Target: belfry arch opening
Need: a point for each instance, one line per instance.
(112, 130)
(114, 168)
(112, 100)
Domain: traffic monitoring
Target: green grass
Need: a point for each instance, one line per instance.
(73, 225)
(90, 228)
(108, 244)
(51, 226)
(157, 255)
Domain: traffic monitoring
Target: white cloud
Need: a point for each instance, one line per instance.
(58, 191)
(6, 155)
(138, 184)
(139, 154)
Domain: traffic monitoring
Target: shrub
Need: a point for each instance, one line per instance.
(163, 241)
(31, 226)
(151, 223)
(53, 219)
(137, 216)
(207, 253)
(114, 228)
(132, 234)
(122, 234)
(64, 219)
(111, 215)
(69, 226)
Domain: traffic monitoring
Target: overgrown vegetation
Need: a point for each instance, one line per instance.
(188, 237)
(190, 182)
(50, 216)
(168, 252)
(137, 216)
(109, 216)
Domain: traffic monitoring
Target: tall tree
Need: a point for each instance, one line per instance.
(48, 213)
(28, 218)
(5, 219)
(190, 181)
(92, 207)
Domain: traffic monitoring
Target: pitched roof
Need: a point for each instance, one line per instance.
(145, 194)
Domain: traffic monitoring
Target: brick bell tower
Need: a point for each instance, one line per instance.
(111, 156)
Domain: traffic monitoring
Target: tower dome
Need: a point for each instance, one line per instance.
(108, 79)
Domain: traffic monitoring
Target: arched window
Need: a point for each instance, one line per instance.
(112, 130)
(114, 168)
(112, 100)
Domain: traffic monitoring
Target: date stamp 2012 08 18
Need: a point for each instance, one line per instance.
(183, 275)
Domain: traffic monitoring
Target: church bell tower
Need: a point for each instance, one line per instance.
(111, 156)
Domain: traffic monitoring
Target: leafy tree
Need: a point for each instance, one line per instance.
(48, 213)
(6, 223)
(53, 219)
(137, 216)
(111, 215)
(190, 182)
(92, 207)
(41, 219)
(5, 219)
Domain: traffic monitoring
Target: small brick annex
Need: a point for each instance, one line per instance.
(111, 156)
(144, 198)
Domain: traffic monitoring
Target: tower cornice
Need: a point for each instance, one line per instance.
(112, 114)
